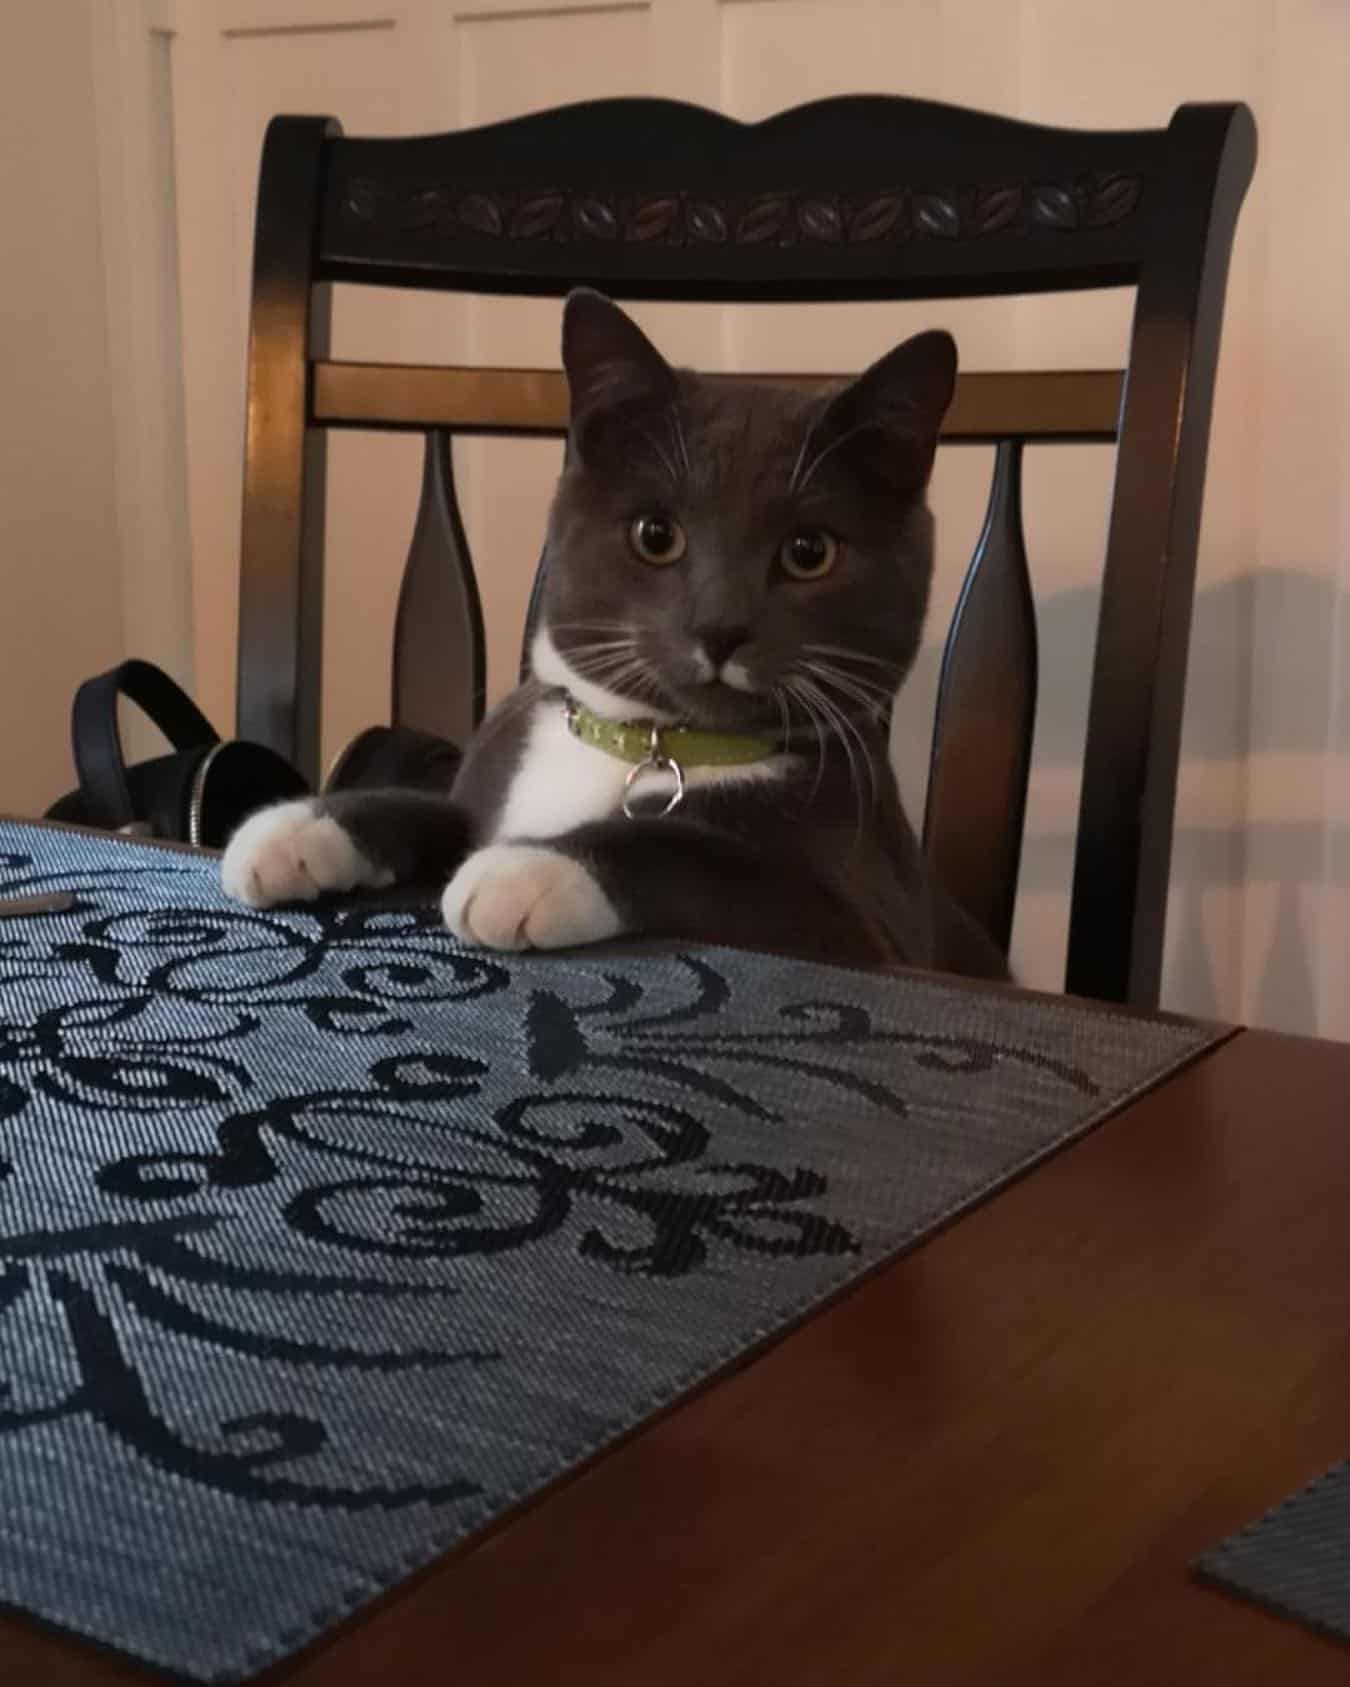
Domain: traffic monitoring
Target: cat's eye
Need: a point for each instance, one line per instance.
(657, 539)
(808, 555)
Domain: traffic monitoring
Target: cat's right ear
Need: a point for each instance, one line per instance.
(615, 375)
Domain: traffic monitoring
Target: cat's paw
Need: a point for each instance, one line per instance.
(291, 853)
(522, 896)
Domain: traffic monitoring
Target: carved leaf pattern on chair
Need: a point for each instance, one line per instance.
(784, 217)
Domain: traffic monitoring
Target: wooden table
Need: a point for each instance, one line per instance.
(989, 1463)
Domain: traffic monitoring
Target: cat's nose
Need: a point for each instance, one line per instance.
(720, 642)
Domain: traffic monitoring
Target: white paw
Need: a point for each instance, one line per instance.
(288, 853)
(520, 896)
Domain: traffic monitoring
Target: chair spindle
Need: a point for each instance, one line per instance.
(439, 682)
(977, 778)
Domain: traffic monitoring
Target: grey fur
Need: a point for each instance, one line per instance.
(824, 861)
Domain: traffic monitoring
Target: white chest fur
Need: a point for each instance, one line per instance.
(562, 783)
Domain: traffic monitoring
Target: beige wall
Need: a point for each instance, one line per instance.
(60, 581)
(93, 515)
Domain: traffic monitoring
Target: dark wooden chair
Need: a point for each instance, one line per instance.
(851, 198)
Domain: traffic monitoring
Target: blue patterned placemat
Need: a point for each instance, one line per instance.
(1296, 1559)
(324, 1240)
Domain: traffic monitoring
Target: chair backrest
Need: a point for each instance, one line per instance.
(852, 198)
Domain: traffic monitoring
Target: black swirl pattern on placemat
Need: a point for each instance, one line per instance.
(322, 1238)
(521, 1174)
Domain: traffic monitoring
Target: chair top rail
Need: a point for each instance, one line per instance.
(862, 196)
(1081, 405)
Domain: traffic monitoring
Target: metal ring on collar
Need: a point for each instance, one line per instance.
(654, 762)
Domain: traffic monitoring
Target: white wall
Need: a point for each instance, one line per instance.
(92, 504)
(60, 596)
(1262, 883)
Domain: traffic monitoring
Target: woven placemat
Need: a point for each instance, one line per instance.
(324, 1240)
(1294, 1561)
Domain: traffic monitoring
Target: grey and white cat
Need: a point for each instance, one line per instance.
(751, 561)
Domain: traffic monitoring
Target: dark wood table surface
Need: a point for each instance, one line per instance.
(990, 1462)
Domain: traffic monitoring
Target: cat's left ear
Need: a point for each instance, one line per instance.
(615, 375)
(885, 424)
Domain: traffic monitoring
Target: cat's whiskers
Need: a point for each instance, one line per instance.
(677, 428)
(830, 719)
(602, 665)
(857, 688)
(612, 672)
(651, 440)
(639, 685)
(801, 476)
(601, 647)
(618, 668)
(872, 706)
(597, 626)
(622, 637)
(598, 649)
(819, 729)
(797, 465)
(888, 663)
(594, 658)
(846, 731)
(875, 701)
(604, 670)
(779, 696)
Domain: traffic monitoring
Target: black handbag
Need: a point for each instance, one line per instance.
(201, 791)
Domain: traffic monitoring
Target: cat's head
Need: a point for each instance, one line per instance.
(722, 552)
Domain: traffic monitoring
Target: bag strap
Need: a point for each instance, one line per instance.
(395, 755)
(99, 762)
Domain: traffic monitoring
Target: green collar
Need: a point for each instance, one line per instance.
(644, 742)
